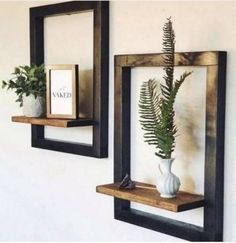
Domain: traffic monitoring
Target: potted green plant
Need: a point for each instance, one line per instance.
(29, 83)
(156, 108)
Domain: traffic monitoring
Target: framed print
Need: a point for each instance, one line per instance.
(62, 91)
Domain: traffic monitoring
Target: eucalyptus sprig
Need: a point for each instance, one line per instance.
(157, 109)
(27, 80)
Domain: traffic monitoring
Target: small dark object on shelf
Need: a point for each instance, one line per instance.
(127, 183)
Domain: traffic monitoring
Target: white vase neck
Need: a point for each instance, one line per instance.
(165, 165)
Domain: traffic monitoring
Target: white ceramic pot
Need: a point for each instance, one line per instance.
(33, 107)
(167, 184)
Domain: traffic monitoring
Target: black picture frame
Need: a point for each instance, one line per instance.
(99, 147)
(215, 62)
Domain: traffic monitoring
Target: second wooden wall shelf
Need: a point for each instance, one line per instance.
(147, 194)
(212, 230)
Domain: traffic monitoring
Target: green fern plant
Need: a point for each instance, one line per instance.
(157, 109)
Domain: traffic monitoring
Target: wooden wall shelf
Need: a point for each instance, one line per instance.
(147, 194)
(53, 122)
(215, 64)
(100, 9)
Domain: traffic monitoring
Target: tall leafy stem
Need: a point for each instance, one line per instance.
(157, 109)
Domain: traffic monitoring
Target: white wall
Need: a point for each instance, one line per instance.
(46, 195)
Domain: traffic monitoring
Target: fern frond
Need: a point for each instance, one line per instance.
(157, 109)
(169, 50)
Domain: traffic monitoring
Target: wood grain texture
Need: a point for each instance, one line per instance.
(147, 194)
(181, 59)
(53, 122)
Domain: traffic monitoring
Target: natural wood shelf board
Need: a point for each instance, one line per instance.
(53, 122)
(147, 194)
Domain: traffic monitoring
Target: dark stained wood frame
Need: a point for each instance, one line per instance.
(215, 62)
(99, 147)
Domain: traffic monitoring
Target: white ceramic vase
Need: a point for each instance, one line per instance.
(167, 184)
(33, 107)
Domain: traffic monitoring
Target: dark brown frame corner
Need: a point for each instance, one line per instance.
(100, 9)
(215, 62)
